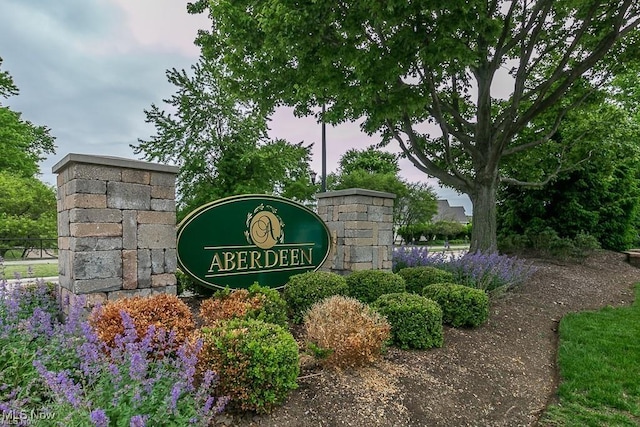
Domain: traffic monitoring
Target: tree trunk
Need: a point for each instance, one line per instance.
(484, 229)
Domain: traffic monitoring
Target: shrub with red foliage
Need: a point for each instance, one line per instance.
(229, 305)
(257, 302)
(163, 311)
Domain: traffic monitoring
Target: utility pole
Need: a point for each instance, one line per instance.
(324, 153)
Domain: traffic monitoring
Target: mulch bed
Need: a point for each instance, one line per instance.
(503, 373)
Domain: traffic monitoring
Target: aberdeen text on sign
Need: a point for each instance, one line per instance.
(251, 238)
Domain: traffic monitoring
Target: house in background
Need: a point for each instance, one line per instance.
(451, 213)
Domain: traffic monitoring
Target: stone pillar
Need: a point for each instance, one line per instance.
(361, 225)
(116, 228)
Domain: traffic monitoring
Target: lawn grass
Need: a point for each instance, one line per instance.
(37, 270)
(599, 359)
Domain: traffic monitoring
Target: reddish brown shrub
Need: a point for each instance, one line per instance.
(163, 311)
(227, 305)
(349, 331)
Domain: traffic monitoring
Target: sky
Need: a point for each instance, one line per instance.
(88, 69)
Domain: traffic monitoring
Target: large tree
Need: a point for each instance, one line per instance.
(371, 169)
(220, 144)
(454, 83)
(600, 195)
(22, 144)
(27, 206)
(27, 211)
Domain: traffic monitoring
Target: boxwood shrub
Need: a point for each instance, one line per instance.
(461, 305)
(257, 362)
(368, 285)
(416, 321)
(304, 290)
(416, 278)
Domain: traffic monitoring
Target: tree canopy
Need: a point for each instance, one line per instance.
(455, 84)
(27, 210)
(221, 144)
(378, 170)
(369, 160)
(27, 205)
(7, 86)
(600, 195)
(22, 144)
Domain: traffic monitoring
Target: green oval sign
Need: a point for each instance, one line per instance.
(240, 240)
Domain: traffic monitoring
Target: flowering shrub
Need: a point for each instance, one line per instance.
(257, 362)
(351, 331)
(28, 326)
(131, 384)
(490, 272)
(409, 256)
(256, 303)
(162, 311)
(63, 370)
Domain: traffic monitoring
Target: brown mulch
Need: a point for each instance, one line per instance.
(503, 373)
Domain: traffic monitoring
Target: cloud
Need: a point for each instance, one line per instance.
(159, 20)
(82, 73)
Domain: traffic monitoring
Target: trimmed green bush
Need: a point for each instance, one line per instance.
(304, 290)
(461, 305)
(274, 307)
(257, 362)
(416, 278)
(416, 321)
(368, 285)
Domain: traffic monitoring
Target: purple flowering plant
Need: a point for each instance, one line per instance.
(28, 327)
(409, 256)
(491, 272)
(66, 369)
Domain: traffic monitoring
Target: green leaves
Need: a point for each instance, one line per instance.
(427, 74)
(220, 142)
(7, 87)
(27, 208)
(22, 143)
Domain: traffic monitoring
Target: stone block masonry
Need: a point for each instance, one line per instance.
(116, 228)
(361, 225)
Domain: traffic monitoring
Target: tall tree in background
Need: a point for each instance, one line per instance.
(373, 169)
(479, 70)
(418, 206)
(220, 144)
(22, 144)
(599, 196)
(27, 205)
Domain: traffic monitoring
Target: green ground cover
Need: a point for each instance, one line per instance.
(599, 359)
